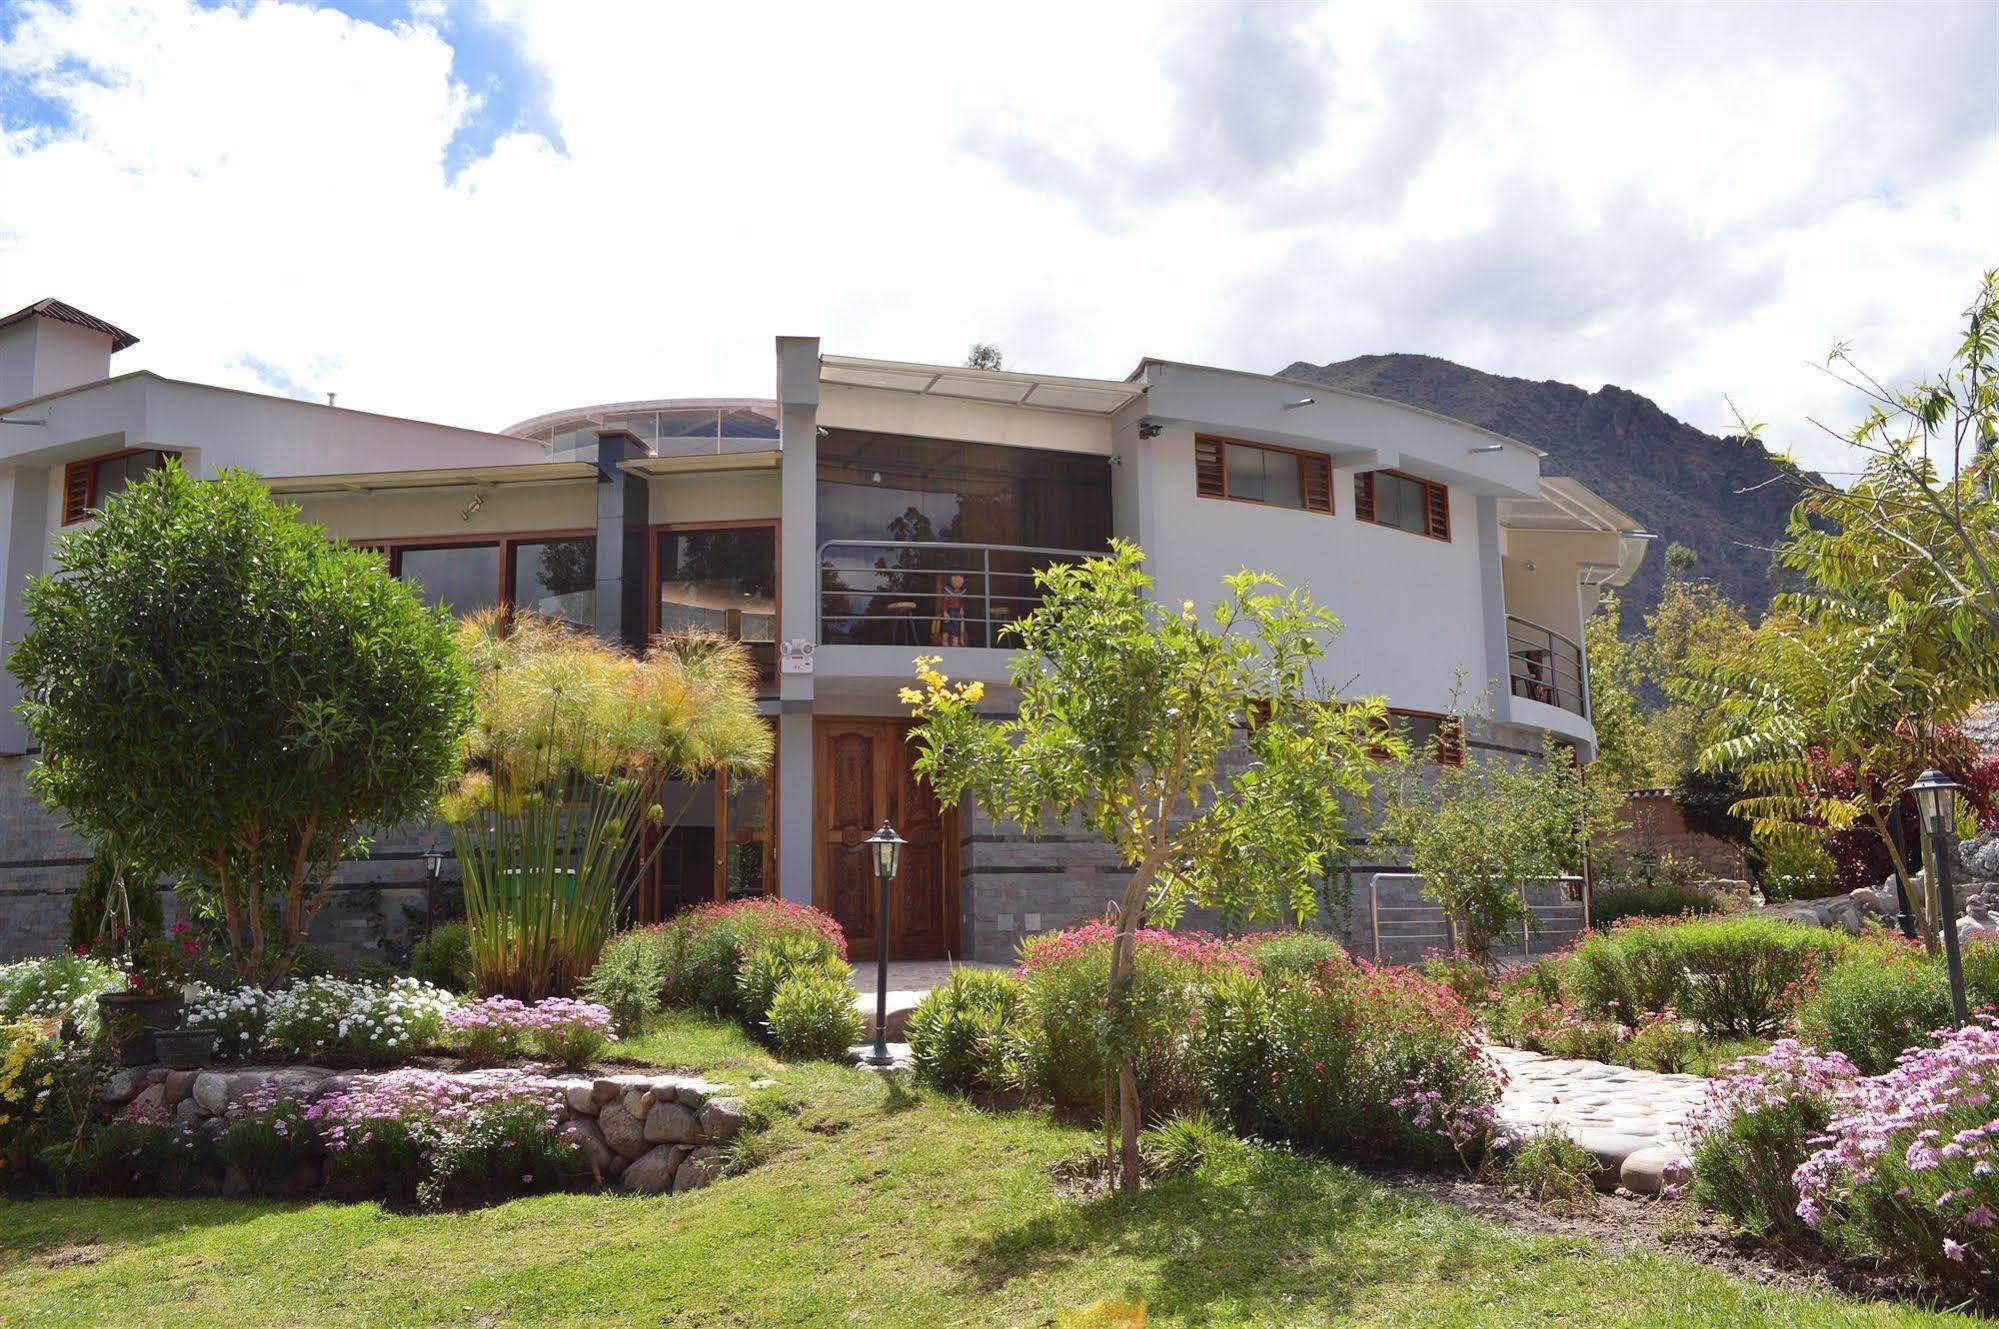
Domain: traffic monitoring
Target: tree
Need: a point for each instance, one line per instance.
(1690, 625)
(984, 355)
(1476, 832)
(1624, 755)
(225, 693)
(1203, 749)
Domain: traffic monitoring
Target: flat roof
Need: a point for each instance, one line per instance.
(1000, 387)
(361, 482)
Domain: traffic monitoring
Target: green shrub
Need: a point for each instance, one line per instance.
(630, 977)
(1729, 975)
(1064, 1029)
(1471, 982)
(766, 966)
(1791, 869)
(87, 906)
(140, 1152)
(270, 1139)
(1179, 1145)
(812, 1014)
(1663, 901)
(1550, 1168)
(1351, 1059)
(444, 958)
(1296, 951)
(1885, 995)
(961, 1034)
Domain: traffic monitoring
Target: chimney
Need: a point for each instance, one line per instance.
(50, 346)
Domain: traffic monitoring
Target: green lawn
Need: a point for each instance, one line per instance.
(881, 1206)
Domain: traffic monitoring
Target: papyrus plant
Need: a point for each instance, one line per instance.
(558, 809)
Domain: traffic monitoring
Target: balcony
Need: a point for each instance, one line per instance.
(1546, 666)
(927, 593)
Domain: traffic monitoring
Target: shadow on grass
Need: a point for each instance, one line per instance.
(1258, 1227)
(54, 1231)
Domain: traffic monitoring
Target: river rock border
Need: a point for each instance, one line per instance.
(645, 1132)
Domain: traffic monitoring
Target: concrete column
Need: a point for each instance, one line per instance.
(798, 610)
(622, 500)
(24, 497)
(1492, 585)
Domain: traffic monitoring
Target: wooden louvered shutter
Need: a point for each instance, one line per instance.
(1363, 496)
(1438, 509)
(76, 491)
(1210, 480)
(1315, 481)
(1451, 740)
(162, 457)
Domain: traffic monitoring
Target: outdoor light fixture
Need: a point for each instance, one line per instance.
(433, 868)
(885, 850)
(1936, 807)
(1491, 447)
(1302, 401)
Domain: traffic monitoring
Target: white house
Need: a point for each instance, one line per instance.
(867, 512)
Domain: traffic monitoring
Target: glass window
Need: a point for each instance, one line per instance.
(460, 578)
(1253, 473)
(1404, 502)
(557, 579)
(723, 581)
(112, 474)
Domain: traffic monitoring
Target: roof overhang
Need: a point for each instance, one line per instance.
(454, 477)
(1567, 506)
(997, 387)
(709, 461)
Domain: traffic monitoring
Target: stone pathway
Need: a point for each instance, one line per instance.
(1633, 1121)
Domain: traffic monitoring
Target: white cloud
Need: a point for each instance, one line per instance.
(1687, 201)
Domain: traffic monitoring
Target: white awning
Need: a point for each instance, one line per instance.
(1087, 396)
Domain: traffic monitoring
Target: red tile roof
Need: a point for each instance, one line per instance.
(63, 313)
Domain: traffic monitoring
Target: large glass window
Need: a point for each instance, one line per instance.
(1258, 473)
(557, 579)
(1390, 498)
(929, 542)
(722, 580)
(461, 578)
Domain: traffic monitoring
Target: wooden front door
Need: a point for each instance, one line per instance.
(860, 779)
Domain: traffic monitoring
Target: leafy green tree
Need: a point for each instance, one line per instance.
(1690, 625)
(1202, 748)
(1476, 832)
(1624, 756)
(223, 692)
(984, 355)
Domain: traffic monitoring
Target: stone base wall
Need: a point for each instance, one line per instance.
(640, 1132)
(375, 909)
(1395, 923)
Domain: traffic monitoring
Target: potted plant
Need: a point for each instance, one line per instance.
(154, 964)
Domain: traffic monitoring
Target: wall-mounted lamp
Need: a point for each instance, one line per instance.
(1490, 447)
(36, 423)
(1302, 401)
(478, 501)
(1150, 429)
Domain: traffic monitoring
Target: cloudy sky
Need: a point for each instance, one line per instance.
(477, 213)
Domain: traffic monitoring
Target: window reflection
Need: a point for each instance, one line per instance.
(557, 579)
(724, 581)
(461, 579)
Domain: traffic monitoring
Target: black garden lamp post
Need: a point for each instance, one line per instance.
(885, 849)
(1936, 804)
(433, 868)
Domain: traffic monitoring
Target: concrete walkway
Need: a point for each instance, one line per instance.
(1633, 1121)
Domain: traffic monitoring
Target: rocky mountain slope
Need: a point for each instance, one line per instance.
(1722, 497)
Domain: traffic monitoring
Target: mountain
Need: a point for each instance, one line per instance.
(1724, 498)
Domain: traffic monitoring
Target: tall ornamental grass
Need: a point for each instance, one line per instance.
(573, 744)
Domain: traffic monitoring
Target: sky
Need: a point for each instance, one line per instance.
(477, 213)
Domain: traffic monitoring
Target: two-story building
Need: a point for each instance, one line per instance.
(867, 512)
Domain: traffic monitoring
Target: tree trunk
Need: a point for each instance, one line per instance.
(1128, 1168)
(1124, 957)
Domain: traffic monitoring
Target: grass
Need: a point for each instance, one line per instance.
(880, 1205)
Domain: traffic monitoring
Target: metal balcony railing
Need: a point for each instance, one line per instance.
(1546, 666)
(927, 592)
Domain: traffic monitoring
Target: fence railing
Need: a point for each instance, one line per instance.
(1546, 666)
(927, 592)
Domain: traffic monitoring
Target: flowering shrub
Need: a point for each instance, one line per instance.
(1352, 1059)
(570, 1033)
(420, 1135)
(1885, 994)
(48, 1086)
(1065, 1031)
(1729, 975)
(697, 958)
(491, 1030)
(368, 1022)
(1755, 1128)
(1908, 1166)
(61, 987)
(270, 1138)
(630, 978)
(1667, 900)
(141, 1151)
(241, 1019)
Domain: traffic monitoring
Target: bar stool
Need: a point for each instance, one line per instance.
(903, 632)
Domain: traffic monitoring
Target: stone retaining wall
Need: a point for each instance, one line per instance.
(645, 1132)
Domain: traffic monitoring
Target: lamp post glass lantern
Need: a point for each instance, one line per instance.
(885, 850)
(1936, 807)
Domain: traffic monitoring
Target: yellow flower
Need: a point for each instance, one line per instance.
(1187, 610)
(974, 691)
(909, 697)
